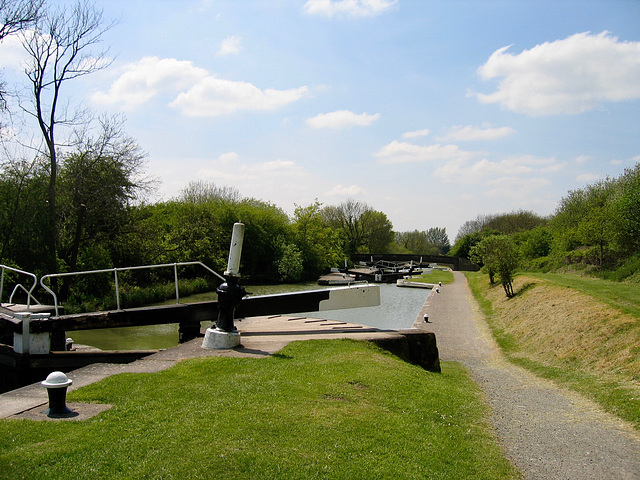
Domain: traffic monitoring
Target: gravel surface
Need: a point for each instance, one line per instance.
(548, 432)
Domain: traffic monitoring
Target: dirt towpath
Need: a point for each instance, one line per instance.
(548, 432)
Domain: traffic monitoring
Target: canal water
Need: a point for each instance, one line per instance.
(399, 308)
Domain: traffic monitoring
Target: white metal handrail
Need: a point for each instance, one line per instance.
(122, 269)
(19, 286)
(22, 272)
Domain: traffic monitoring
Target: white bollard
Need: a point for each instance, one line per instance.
(237, 238)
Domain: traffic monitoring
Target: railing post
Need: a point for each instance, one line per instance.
(1, 284)
(175, 276)
(115, 276)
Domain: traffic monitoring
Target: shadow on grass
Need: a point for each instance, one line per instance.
(525, 288)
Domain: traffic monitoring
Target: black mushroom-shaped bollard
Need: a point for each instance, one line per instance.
(56, 384)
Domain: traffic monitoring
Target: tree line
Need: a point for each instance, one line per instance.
(73, 193)
(594, 229)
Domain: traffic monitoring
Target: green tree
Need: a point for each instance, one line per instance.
(585, 222)
(378, 231)
(97, 183)
(23, 188)
(463, 245)
(60, 49)
(514, 222)
(362, 227)
(535, 243)
(499, 255)
(289, 262)
(627, 207)
(415, 242)
(433, 241)
(319, 244)
(346, 218)
(438, 237)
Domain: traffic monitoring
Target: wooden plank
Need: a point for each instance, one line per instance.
(10, 324)
(134, 317)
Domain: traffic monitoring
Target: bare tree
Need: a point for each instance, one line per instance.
(15, 16)
(202, 191)
(59, 50)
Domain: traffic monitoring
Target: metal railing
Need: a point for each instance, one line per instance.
(123, 269)
(29, 292)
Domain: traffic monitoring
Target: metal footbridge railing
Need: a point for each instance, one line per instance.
(115, 276)
(19, 286)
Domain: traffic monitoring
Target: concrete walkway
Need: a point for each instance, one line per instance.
(547, 432)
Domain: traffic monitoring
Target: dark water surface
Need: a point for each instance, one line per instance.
(399, 308)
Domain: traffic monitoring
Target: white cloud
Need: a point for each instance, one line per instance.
(265, 180)
(344, 191)
(582, 159)
(228, 158)
(352, 8)
(404, 152)
(230, 46)
(149, 77)
(416, 133)
(587, 177)
(214, 96)
(342, 119)
(460, 170)
(12, 53)
(201, 94)
(566, 76)
(469, 132)
(516, 190)
(281, 167)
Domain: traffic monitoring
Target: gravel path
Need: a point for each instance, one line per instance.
(548, 432)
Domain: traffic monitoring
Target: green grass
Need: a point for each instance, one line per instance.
(624, 296)
(477, 282)
(612, 389)
(319, 409)
(435, 276)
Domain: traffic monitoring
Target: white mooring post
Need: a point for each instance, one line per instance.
(230, 293)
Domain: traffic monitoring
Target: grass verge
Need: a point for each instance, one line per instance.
(623, 296)
(318, 409)
(434, 276)
(563, 329)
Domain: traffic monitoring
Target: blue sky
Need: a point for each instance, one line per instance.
(431, 111)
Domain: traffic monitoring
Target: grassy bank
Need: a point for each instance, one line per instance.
(318, 409)
(435, 276)
(579, 332)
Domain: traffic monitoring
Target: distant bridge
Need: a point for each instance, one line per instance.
(456, 263)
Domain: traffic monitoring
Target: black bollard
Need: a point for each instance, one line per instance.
(56, 385)
(230, 294)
